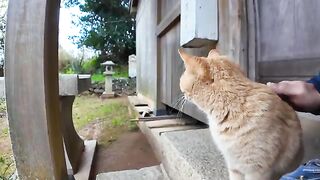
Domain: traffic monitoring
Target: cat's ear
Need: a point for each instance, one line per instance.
(213, 53)
(196, 65)
(185, 57)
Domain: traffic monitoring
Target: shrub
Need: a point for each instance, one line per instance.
(121, 72)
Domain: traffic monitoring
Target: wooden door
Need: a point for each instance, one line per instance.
(286, 41)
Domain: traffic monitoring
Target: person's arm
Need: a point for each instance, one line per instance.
(302, 96)
(316, 82)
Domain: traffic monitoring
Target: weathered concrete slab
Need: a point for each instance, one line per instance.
(69, 84)
(73, 84)
(311, 135)
(2, 88)
(186, 154)
(148, 173)
(192, 155)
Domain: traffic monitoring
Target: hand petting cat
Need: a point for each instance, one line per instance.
(302, 96)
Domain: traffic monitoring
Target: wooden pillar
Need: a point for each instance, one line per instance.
(31, 70)
(73, 143)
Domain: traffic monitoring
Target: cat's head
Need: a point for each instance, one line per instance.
(202, 73)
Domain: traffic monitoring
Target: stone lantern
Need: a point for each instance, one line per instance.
(108, 80)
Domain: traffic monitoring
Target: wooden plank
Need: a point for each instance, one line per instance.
(158, 117)
(233, 31)
(169, 123)
(74, 145)
(32, 88)
(294, 34)
(166, 6)
(253, 39)
(160, 108)
(169, 20)
(87, 160)
(292, 52)
(287, 68)
(136, 101)
(147, 49)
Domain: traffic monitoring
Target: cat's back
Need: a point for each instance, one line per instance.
(269, 131)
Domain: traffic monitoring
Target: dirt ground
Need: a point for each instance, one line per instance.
(130, 151)
(121, 145)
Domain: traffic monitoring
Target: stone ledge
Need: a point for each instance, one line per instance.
(148, 173)
(191, 154)
(187, 152)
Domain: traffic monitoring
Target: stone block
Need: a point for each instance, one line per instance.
(148, 173)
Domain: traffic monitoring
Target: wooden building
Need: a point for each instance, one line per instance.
(271, 40)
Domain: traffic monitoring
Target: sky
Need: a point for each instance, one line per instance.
(67, 29)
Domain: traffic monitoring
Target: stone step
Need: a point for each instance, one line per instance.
(148, 173)
(186, 153)
(191, 155)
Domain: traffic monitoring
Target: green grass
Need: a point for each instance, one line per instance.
(4, 132)
(119, 72)
(97, 78)
(88, 108)
(7, 167)
(113, 115)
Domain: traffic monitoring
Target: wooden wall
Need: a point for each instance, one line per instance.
(272, 41)
(146, 50)
(287, 39)
(159, 71)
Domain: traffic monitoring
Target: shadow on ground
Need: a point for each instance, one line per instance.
(130, 151)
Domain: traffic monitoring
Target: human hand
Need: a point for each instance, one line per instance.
(302, 96)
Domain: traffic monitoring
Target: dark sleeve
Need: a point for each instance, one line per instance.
(316, 82)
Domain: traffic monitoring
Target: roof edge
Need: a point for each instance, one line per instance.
(133, 6)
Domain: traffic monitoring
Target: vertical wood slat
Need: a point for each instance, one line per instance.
(293, 51)
(32, 88)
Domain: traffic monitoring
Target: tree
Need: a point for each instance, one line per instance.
(3, 15)
(108, 27)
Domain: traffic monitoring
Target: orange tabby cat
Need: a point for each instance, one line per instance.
(258, 134)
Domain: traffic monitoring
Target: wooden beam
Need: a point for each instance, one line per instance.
(199, 23)
(253, 39)
(32, 88)
(169, 20)
(74, 145)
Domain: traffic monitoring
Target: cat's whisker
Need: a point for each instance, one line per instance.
(177, 102)
(179, 115)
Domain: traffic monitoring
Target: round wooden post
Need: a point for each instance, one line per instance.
(31, 70)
